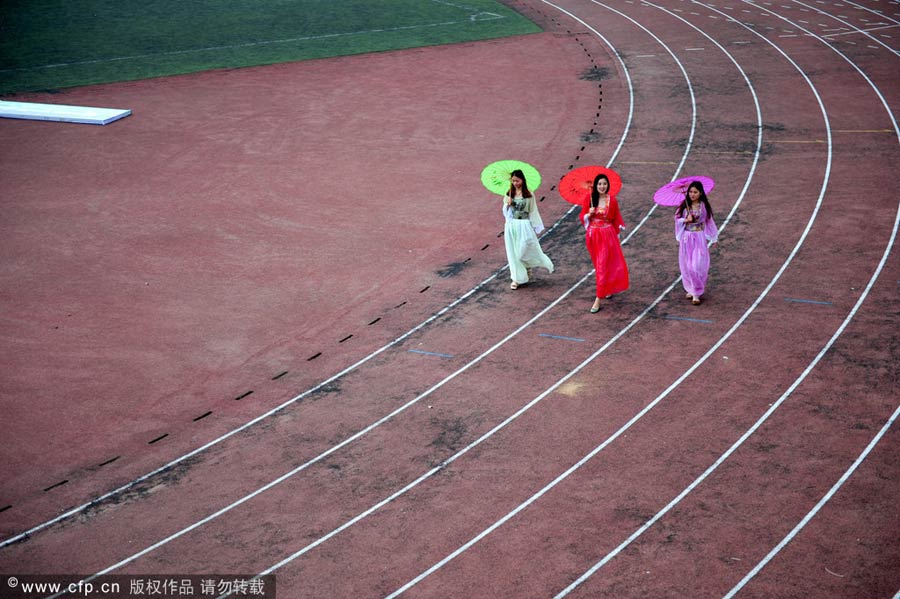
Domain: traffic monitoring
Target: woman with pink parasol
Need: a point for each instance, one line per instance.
(602, 221)
(694, 227)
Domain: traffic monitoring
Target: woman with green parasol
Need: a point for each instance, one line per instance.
(523, 223)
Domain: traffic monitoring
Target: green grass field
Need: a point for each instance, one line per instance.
(52, 44)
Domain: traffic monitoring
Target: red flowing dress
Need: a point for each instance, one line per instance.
(602, 239)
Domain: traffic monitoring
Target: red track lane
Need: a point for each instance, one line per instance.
(688, 553)
(324, 419)
(704, 546)
(426, 427)
(149, 356)
(490, 484)
(323, 424)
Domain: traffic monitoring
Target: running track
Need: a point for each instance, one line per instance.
(659, 450)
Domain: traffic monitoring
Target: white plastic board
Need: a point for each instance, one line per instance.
(61, 112)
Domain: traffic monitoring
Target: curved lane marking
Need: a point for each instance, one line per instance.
(417, 399)
(384, 419)
(672, 387)
(121, 489)
(827, 497)
(850, 25)
(796, 383)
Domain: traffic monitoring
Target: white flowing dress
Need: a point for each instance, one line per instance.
(523, 250)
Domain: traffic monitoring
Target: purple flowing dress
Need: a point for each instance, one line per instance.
(693, 251)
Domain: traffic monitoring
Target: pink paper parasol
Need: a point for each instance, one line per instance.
(672, 194)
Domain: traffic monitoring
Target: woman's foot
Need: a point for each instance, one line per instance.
(688, 296)
(596, 307)
(696, 301)
(513, 285)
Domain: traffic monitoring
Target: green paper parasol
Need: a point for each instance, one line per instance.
(495, 176)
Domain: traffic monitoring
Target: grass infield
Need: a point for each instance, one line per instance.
(52, 44)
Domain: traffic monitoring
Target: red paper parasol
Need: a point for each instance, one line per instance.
(672, 194)
(575, 187)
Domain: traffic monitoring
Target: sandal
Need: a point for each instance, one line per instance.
(696, 301)
(596, 307)
(514, 285)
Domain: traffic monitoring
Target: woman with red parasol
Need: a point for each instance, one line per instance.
(694, 227)
(602, 221)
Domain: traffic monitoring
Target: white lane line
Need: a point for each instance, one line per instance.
(690, 88)
(812, 513)
(809, 368)
(863, 31)
(335, 448)
(853, 27)
(256, 420)
(874, 12)
(80, 508)
(536, 400)
(403, 408)
(674, 385)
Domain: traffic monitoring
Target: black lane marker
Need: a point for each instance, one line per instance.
(279, 375)
(202, 416)
(60, 483)
(345, 338)
(242, 396)
(400, 304)
(374, 321)
(426, 289)
(159, 438)
(309, 359)
(109, 461)
(4, 508)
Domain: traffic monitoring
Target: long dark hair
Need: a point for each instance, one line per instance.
(595, 195)
(687, 200)
(512, 190)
